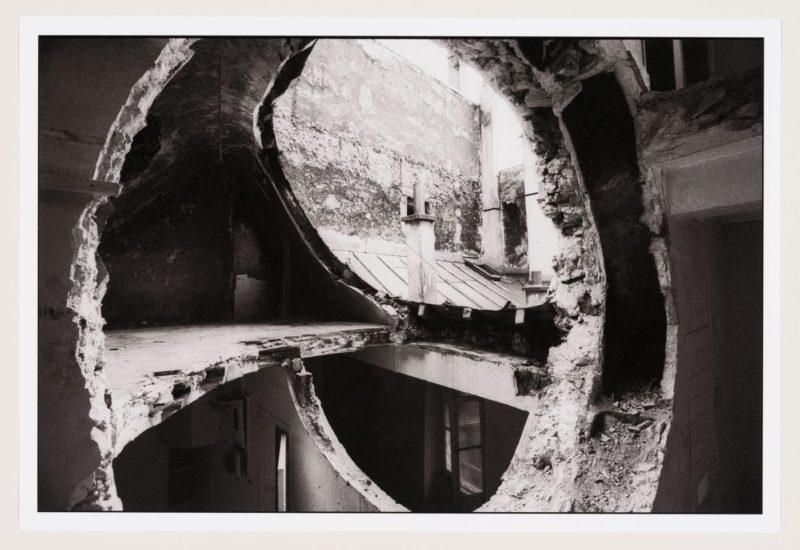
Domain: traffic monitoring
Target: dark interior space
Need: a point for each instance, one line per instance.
(514, 231)
(660, 61)
(208, 250)
(210, 456)
(602, 132)
(696, 60)
(397, 429)
(738, 396)
(731, 55)
(169, 260)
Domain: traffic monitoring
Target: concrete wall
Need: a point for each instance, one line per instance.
(356, 130)
(314, 485)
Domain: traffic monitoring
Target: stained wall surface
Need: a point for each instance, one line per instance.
(359, 127)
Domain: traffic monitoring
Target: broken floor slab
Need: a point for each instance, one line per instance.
(152, 373)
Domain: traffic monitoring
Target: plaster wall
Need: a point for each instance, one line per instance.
(314, 485)
(359, 127)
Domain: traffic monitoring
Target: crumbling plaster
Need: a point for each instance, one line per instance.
(353, 147)
(541, 78)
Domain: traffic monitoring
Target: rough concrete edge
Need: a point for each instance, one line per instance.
(83, 302)
(89, 277)
(131, 117)
(153, 401)
(309, 410)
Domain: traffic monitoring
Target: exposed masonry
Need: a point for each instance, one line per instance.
(89, 277)
(682, 122)
(540, 78)
(352, 148)
(512, 200)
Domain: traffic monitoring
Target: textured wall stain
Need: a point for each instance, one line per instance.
(363, 125)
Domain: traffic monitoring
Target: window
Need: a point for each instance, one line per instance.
(281, 464)
(464, 449)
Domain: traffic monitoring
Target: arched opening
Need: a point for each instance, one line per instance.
(256, 444)
(197, 198)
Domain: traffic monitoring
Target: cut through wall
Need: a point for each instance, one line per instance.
(552, 97)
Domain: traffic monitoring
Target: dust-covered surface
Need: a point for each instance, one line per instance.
(622, 453)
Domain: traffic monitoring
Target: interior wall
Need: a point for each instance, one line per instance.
(717, 418)
(82, 83)
(170, 260)
(142, 470)
(689, 478)
(261, 261)
(738, 327)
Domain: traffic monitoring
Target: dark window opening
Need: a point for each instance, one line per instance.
(695, 60)
(660, 61)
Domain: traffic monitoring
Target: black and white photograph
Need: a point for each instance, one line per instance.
(437, 274)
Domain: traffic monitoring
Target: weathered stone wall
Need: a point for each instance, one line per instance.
(541, 78)
(360, 126)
